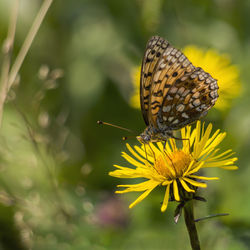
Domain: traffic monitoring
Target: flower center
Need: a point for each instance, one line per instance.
(173, 165)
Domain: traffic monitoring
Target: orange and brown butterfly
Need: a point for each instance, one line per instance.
(173, 92)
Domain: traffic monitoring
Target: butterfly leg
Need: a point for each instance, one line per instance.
(184, 139)
(165, 152)
(152, 152)
(165, 139)
(145, 151)
(189, 145)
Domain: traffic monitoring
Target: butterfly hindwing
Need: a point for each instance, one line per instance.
(189, 99)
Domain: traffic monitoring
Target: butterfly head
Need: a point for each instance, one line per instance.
(148, 135)
(144, 138)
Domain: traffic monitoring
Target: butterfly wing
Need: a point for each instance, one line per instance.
(171, 65)
(189, 99)
(174, 93)
(154, 49)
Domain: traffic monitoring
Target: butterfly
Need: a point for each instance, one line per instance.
(173, 92)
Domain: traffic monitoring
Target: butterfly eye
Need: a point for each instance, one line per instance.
(147, 138)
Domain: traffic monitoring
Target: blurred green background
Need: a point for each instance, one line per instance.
(55, 192)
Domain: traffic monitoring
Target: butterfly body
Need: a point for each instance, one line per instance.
(173, 92)
(151, 134)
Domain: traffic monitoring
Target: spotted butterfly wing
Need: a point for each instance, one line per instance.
(188, 99)
(173, 92)
(154, 49)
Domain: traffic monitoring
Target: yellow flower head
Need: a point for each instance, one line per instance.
(176, 168)
(217, 65)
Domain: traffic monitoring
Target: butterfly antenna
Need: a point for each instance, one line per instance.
(115, 126)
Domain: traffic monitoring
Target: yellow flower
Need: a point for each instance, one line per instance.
(217, 65)
(175, 168)
(135, 98)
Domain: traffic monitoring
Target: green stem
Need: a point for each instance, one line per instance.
(28, 41)
(190, 224)
(7, 53)
(8, 73)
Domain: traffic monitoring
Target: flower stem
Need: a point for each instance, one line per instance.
(190, 224)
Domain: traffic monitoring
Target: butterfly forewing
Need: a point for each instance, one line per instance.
(174, 93)
(155, 47)
(172, 65)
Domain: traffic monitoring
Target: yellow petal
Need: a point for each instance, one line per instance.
(143, 153)
(167, 148)
(165, 201)
(132, 160)
(176, 191)
(195, 183)
(225, 155)
(160, 146)
(140, 198)
(189, 167)
(166, 183)
(196, 169)
(219, 163)
(230, 167)
(173, 144)
(203, 177)
(134, 153)
(138, 187)
(185, 134)
(214, 143)
(185, 186)
(213, 136)
(124, 172)
(153, 149)
(170, 167)
(200, 144)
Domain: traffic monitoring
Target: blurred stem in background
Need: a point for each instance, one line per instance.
(9, 73)
(39, 154)
(7, 51)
